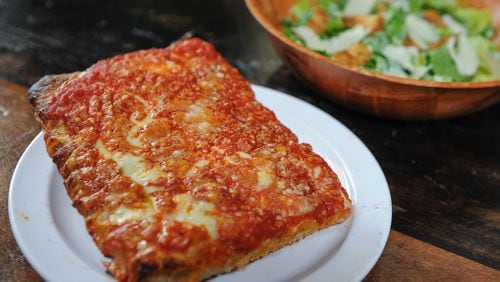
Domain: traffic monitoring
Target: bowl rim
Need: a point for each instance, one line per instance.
(272, 29)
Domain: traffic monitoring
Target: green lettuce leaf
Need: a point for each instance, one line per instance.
(416, 6)
(444, 32)
(395, 69)
(302, 12)
(342, 3)
(442, 6)
(493, 73)
(377, 63)
(487, 61)
(421, 60)
(332, 7)
(395, 25)
(335, 26)
(325, 4)
(377, 42)
(482, 45)
(476, 21)
(443, 67)
(287, 28)
(382, 64)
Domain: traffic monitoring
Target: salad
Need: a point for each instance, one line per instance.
(435, 40)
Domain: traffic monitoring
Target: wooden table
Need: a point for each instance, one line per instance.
(444, 176)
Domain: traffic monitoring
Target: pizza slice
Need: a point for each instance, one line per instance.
(179, 172)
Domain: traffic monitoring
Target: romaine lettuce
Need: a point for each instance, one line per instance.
(416, 6)
(466, 52)
(335, 26)
(476, 21)
(377, 63)
(489, 61)
(442, 66)
(395, 25)
(443, 6)
(287, 28)
(377, 42)
(302, 12)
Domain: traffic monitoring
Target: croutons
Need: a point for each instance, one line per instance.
(434, 18)
(373, 23)
(357, 55)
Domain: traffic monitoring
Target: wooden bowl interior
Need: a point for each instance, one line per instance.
(276, 10)
(270, 13)
(371, 92)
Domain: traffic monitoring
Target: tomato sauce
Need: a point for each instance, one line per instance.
(193, 122)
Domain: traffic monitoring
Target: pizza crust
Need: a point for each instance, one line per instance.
(196, 230)
(41, 93)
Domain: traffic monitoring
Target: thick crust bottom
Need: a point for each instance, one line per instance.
(267, 248)
(86, 168)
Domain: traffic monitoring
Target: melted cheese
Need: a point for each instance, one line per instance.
(405, 57)
(401, 54)
(60, 133)
(422, 32)
(310, 38)
(264, 178)
(123, 214)
(203, 126)
(465, 58)
(197, 117)
(132, 166)
(230, 160)
(244, 155)
(199, 164)
(203, 204)
(194, 212)
(346, 39)
(195, 111)
(317, 171)
(341, 42)
(138, 125)
(358, 7)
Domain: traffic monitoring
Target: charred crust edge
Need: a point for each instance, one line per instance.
(148, 271)
(41, 93)
(145, 270)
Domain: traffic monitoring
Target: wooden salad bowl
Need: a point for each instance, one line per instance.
(375, 93)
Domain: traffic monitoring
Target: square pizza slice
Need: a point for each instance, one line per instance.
(179, 172)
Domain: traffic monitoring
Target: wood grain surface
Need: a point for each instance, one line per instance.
(408, 259)
(17, 129)
(404, 258)
(444, 176)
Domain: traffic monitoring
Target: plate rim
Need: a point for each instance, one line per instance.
(322, 271)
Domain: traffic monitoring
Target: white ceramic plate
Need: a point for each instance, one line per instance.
(53, 237)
